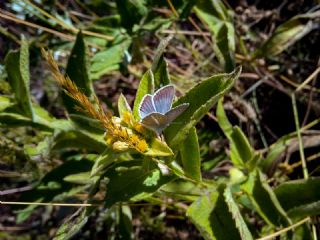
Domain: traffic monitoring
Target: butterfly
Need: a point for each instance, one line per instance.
(156, 110)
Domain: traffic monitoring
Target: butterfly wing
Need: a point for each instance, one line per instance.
(175, 112)
(163, 98)
(156, 122)
(146, 106)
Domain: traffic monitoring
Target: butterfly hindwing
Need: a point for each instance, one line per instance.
(156, 122)
(146, 106)
(155, 110)
(163, 98)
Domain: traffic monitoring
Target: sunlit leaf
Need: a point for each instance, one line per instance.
(130, 181)
(146, 86)
(201, 98)
(190, 155)
(17, 66)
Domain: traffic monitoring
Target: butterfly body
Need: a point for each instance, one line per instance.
(156, 110)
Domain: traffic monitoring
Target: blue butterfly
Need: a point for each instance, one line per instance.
(155, 109)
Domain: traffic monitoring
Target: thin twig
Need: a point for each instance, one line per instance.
(309, 79)
(284, 230)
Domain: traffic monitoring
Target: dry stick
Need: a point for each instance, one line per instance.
(66, 26)
(51, 204)
(43, 12)
(309, 79)
(185, 32)
(284, 230)
(306, 116)
(17, 20)
(174, 11)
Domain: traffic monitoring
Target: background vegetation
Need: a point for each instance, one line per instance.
(240, 163)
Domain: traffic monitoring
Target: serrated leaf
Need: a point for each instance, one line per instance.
(300, 198)
(130, 181)
(123, 105)
(190, 155)
(201, 98)
(219, 21)
(236, 215)
(264, 200)
(17, 66)
(146, 86)
(288, 33)
(211, 215)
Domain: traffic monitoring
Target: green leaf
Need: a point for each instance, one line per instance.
(129, 181)
(236, 215)
(12, 117)
(190, 155)
(268, 165)
(161, 73)
(17, 66)
(123, 105)
(300, 198)
(77, 70)
(159, 65)
(210, 214)
(264, 200)
(78, 178)
(241, 154)
(201, 98)
(109, 59)
(72, 137)
(131, 12)
(125, 223)
(219, 21)
(241, 150)
(72, 224)
(52, 185)
(5, 102)
(223, 121)
(158, 148)
(288, 34)
(146, 86)
(183, 190)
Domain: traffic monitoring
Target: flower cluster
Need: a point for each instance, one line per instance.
(120, 137)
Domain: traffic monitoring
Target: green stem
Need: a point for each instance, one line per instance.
(298, 130)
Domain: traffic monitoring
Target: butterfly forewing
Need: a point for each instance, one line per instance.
(146, 106)
(175, 112)
(163, 98)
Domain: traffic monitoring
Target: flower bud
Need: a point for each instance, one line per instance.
(120, 146)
